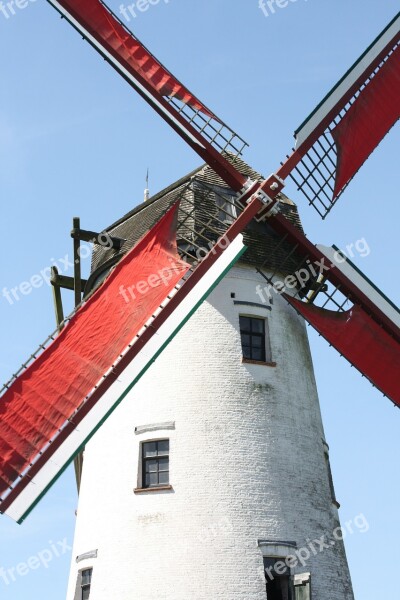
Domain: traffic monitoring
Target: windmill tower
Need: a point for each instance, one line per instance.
(215, 467)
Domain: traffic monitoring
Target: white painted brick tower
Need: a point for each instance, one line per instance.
(233, 450)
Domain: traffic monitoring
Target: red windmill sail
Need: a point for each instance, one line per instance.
(102, 24)
(367, 121)
(48, 394)
(351, 333)
(346, 127)
(58, 402)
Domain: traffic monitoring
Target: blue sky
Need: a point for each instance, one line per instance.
(75, 140)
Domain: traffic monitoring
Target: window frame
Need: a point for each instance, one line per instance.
(281, 579)
(85, 586)
(145, 460)
(266, 357)
(226, 207)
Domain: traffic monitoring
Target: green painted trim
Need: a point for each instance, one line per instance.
(132, 384)
(329, 94)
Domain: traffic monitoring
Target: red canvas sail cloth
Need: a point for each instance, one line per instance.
(46, 394)
(372, 115)
(131, 54)
(361, 340)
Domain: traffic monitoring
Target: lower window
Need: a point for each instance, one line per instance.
(282, 585)
(86, 580)
(278, 579)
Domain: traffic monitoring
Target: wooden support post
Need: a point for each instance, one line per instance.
(58, 307)
(76, 225)
(77, 265)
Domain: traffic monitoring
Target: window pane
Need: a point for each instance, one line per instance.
(163, 447)
(246, 352)
(86, 593)
(245, 339)
(163, 477)
(257, 325)
(303, 592)
(149, 449)
(257, 354)
(244, 323)
(86, 576)
(151, 479)
(151, 466)
(257, 341)
(163, 464)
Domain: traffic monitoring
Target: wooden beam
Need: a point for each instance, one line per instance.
(97, 238)
(77, 265)
(58, 307)
(65, 282)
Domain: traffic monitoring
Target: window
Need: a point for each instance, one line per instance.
(227, 212)
(253, 336)
(155, 463)
(86, 580)
(302, 586)
(278, 579)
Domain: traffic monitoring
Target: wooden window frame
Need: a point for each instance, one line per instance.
(158, 457)
(265, 340)
(86, 586)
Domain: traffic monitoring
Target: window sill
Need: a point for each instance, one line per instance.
(248, 361)
(161, 488)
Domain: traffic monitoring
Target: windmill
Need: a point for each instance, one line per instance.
(372, 318)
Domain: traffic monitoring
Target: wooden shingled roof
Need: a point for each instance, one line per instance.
(202, 195)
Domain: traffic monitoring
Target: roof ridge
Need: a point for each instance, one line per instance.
(201, 170)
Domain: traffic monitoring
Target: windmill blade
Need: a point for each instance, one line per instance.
(353, 330)
(350, 312)
(350, 333)
(58, 401)
(346, 127)
(206, 133)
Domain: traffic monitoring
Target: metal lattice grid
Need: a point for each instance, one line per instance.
(315, 174)
(311, 285)
(217, 133)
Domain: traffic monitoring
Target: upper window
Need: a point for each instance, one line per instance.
(86, 580)
(253, 336)
(227, 212)
(155, 462)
